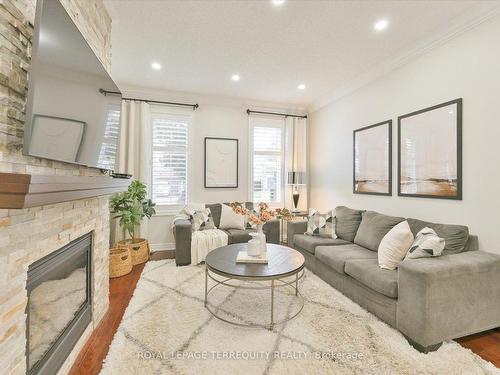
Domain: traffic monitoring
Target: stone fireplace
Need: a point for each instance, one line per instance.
(30, 234)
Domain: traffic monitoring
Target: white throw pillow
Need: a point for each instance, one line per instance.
(230, 219)
(394, 246)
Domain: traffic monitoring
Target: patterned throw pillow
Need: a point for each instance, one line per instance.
(322, 225)
(202, 219)
(427, 244)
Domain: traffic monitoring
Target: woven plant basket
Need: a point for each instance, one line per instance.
(120, 262)
(139, 249)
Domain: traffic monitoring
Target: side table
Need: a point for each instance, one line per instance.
(295, 216)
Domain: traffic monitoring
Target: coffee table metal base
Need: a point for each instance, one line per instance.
(275, 282)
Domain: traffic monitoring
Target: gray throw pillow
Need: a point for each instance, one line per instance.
(455, 236)
(427, 244)
(347, 222)
(373, 228)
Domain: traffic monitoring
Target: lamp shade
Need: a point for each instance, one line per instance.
(296, 178)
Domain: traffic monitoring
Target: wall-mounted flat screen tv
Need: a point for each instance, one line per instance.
(68, 119)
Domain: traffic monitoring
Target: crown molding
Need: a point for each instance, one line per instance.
(468, 22)
(113, 13)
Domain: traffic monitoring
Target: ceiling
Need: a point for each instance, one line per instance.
(324, 44)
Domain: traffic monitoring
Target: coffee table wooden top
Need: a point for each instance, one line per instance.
(282, 261)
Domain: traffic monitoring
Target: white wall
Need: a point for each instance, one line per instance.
(209, 121)
(215, 117)
(467, 67)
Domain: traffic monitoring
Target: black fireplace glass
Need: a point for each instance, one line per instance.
(58, 294)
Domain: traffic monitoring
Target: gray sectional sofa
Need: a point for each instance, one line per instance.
(429, 300)
(183, 233)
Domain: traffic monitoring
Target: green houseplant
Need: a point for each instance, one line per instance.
(130, 207)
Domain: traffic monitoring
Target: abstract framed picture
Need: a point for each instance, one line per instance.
(430, 152)
(372, 156)
(221, 162)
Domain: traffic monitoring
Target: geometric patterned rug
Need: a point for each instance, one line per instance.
(167, 330)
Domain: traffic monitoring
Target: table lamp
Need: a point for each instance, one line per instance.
(295, 179)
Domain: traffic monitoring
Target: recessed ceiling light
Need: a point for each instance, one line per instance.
(381, 25)
(235, 77)
(156, 65)
(278, 2)
(302, 86)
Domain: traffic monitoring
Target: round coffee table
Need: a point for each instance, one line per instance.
(283, 262)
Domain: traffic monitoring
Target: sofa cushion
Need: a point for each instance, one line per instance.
(368, 273)
(455, 236)
(309, 243)
(347, 222)
(215, 209)
(373, 228)
(238, 235)
(336, 256)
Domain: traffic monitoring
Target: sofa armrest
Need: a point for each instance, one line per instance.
(182, 234)
(293, 228)
(272, 231)
(448, 297)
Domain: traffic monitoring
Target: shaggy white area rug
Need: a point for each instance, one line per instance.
(167, 330)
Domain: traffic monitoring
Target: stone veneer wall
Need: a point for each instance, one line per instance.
(29, 234)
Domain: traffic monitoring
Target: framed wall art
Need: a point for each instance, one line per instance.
(430, 152)
(372, 156)
(221, 162)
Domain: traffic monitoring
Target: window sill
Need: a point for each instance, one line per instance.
(166, 213)
(168, 210)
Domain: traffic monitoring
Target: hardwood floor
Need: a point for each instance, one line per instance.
(89, 361)
(485, 344)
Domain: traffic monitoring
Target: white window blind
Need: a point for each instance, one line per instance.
(170, 158)
(267, 160)
(109, 144)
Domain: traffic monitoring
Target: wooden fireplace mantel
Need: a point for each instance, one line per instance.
(25, 190)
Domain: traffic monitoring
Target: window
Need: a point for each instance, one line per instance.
(267, 155)
(169, 172)
(107, 153)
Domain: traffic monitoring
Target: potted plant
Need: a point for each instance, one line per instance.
(131, 207)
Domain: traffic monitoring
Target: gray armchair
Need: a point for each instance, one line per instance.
(183, 233)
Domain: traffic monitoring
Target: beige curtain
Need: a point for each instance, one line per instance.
(134, 152)
(296, 158)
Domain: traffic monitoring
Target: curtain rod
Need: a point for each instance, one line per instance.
(106, 92)
(276, 114)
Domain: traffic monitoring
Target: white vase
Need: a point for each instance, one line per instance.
(262, 238)
(253, 248)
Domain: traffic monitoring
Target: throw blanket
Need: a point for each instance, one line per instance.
(204, 241)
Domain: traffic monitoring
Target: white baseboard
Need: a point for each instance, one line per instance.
(162, 246)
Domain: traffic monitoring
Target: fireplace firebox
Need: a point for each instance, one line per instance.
(59, 305)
